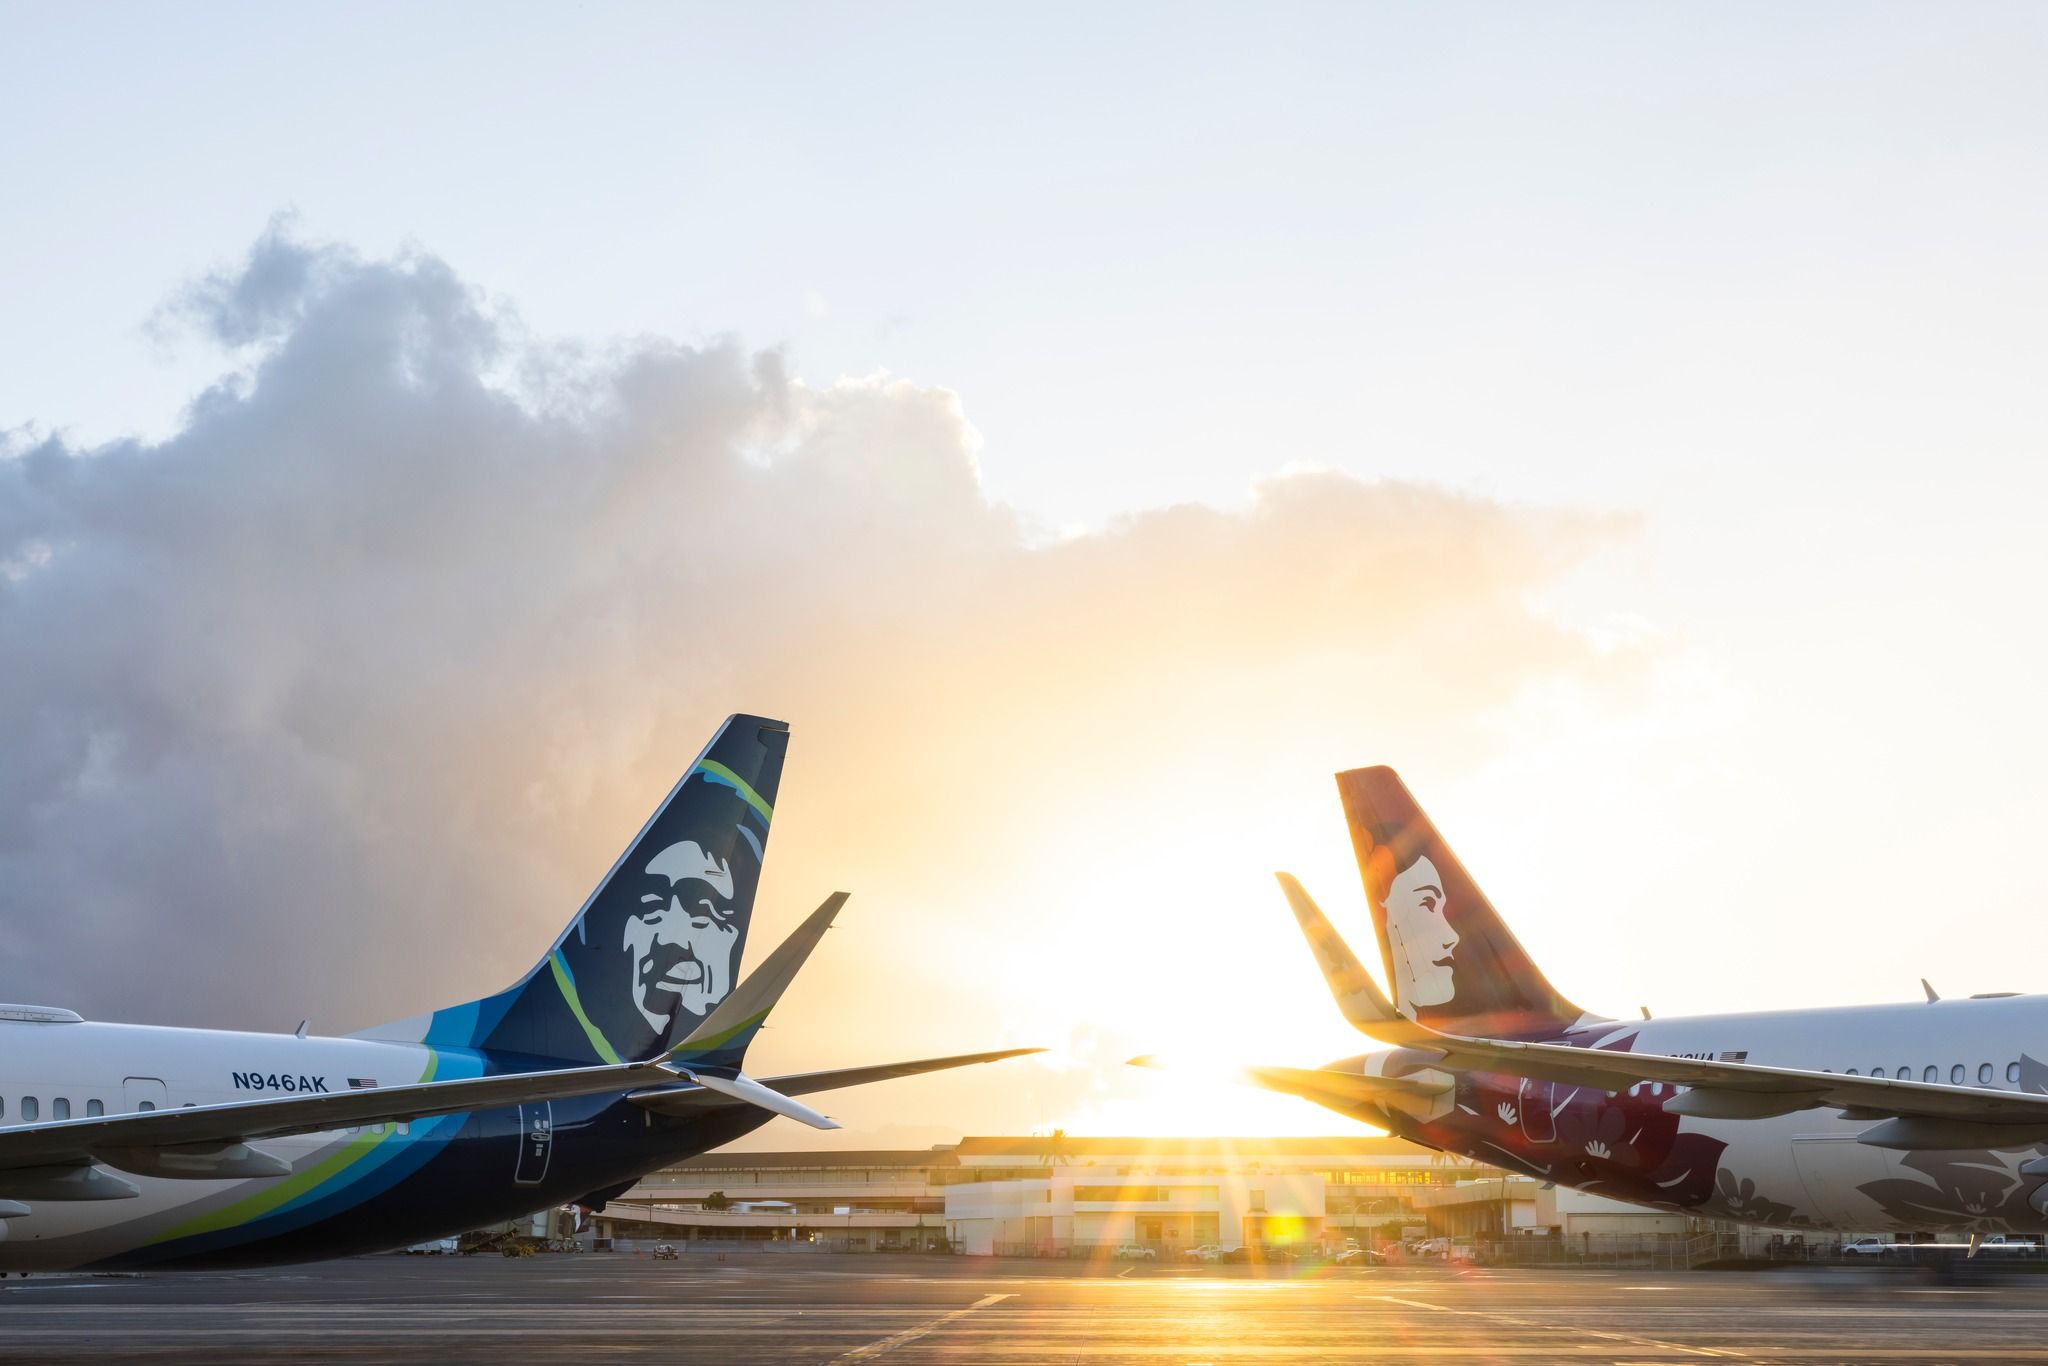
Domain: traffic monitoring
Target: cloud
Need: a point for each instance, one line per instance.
(334, 703)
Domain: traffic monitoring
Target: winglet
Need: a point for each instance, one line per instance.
(1358, 996)
(721, 1041)
(1932, 994)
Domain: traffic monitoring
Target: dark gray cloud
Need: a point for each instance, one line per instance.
(335, 701)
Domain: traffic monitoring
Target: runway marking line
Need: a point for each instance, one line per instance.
(1512, 1321)
(891, 1343)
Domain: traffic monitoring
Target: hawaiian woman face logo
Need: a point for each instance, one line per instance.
(681, 934)
(1420, 933)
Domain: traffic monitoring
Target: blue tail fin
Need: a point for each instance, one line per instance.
(657, 946)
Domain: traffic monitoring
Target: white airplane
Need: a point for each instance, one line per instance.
(129, 1146)
(1931, 1116)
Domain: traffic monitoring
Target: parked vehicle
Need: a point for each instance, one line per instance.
(664, 1252)
(438, 1247)
(1255, 1253)
(1879, 1248)
(1136, 1252)
(1207, 1252)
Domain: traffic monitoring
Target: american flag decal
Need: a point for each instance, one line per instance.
(1736, 1055)
(362, 1083)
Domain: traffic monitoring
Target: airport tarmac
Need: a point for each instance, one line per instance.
(750, 1308)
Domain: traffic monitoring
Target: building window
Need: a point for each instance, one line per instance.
(93, 1109)
(60, 1108)
(30, 1110)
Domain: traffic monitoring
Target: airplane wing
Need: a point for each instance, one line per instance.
(700, 1072)
(1908, 1114)
(693, 1100)
(112, 1138)
(204, 1140)
(1342, 1090)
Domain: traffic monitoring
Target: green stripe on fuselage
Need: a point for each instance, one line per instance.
(293, 1186)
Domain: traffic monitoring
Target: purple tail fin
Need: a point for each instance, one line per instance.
(1452, 961)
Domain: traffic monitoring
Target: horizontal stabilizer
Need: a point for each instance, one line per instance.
(742, 1087)
(1345, 1091)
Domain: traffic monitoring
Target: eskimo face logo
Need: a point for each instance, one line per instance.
(1420, 934)
(682, 934)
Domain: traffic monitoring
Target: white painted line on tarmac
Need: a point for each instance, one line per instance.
(1566, 1328)
(890, 1344)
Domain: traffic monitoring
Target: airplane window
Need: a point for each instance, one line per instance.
(60, 1108)
(30, 1110)
(1983, 1074)
(2012, 1071)
(1905, 1074)
(94, 1109)
(1877, 1071)
(1955, 1075)
(404, 1126)
(1931, 1074)
(1851, 1072)
(147, 1105)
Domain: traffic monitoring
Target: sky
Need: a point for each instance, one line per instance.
(1090, 428)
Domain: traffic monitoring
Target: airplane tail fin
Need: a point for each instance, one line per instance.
(655, 950)
(1453, 962)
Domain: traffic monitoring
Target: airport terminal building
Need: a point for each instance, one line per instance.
(1064, 1196)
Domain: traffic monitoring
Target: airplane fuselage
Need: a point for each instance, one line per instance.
(350, 1191)
(1806, 1169)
